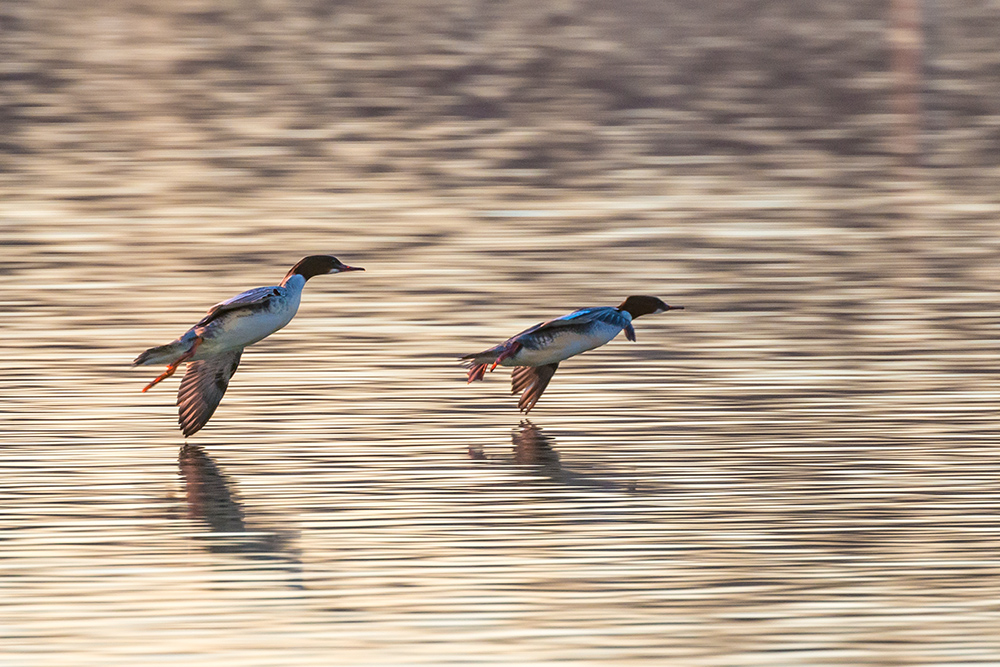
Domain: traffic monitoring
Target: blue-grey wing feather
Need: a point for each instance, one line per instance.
(249, 299)
(579, 319)
(543, 333)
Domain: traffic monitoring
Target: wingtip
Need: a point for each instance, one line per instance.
(189, 427)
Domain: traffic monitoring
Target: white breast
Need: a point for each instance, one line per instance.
(240, 328)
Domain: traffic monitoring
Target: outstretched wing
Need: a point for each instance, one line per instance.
(532, 380)
(258, 296)
(202, 388)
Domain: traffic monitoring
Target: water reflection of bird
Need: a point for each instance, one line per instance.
(531, 447)
(212, 347)
(207, 491)
(535, 353)
(211, 501)
(534, 449)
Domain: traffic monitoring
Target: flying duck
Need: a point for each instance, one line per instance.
(212, 347)
(535, 353)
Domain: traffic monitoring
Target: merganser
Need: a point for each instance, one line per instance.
(535, 353)
(212, 347)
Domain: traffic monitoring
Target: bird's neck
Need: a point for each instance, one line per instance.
(294, 282)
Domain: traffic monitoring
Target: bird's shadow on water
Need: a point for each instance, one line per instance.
(534, 450)
(212, 502)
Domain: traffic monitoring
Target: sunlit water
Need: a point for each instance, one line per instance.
(800, 468)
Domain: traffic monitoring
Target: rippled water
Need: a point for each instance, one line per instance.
(798, 469)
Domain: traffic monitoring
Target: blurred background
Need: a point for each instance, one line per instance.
(199, 101)
(797, 469)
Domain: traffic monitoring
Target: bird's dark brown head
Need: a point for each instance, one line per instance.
(319, 265)
(637, 306)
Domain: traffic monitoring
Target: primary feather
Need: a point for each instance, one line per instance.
(202, 388)
(532, 380)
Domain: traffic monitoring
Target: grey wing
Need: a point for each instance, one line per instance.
(255, 297)
(541, 334)
(578, 318)
(532, 380)
(202, 388)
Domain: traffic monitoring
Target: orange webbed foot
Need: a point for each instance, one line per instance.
(163, 376)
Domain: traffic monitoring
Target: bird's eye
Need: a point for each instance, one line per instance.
(275, 292)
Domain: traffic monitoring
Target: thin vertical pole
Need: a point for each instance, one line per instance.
(906, 53)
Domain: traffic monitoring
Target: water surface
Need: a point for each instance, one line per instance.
(798, 469)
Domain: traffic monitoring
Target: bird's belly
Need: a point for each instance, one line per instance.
(561, 347)
(240, 330)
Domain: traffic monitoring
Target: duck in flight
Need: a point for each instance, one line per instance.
(535, 353)
(212, 347)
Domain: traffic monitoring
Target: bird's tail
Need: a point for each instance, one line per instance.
(166, 354)
(163, 354)
(477, 371)
(477, 364)
(481, 362)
